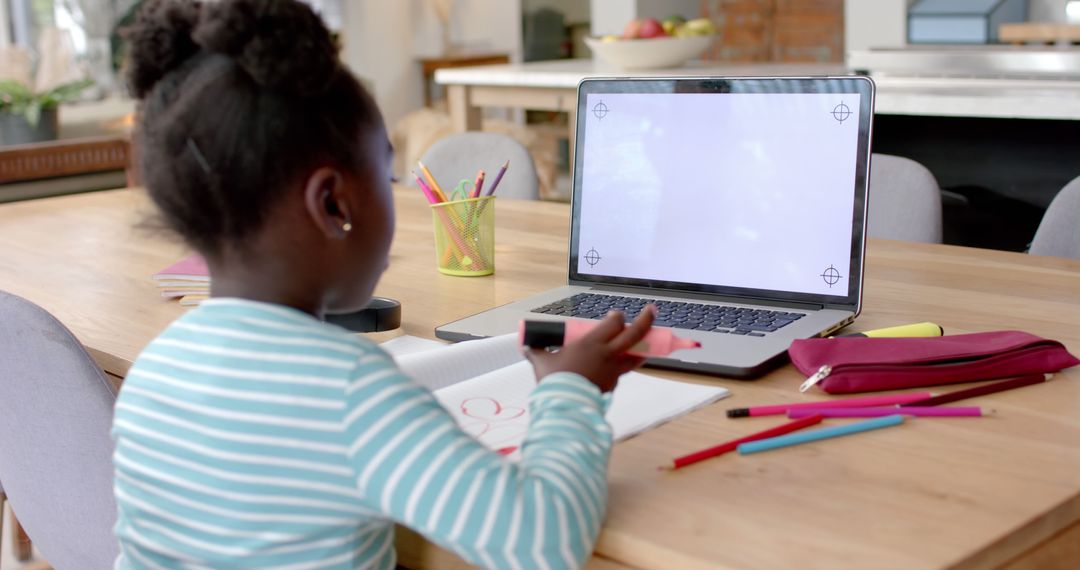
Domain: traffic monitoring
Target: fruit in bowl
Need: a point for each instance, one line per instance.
(644, 29)
(677, 26)
(650, 44)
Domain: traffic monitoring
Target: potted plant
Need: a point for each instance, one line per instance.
(27, 116)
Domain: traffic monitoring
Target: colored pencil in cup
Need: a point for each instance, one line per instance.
(434, 198)
(478, 185)
(498, 178)
(983, 390)
(450, 222)
(818, 434)
(723, 448)
(469, 256)
(448, 251)
(935, 412)
(860, 402)
(428, 194)
(432, 182)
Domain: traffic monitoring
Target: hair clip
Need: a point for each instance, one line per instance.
(194, 148)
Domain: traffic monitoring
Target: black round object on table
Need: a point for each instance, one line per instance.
(380, 314)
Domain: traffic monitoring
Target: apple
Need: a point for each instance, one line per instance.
(651, 28)
(631, 30)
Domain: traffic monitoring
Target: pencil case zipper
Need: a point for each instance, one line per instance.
(968, 364)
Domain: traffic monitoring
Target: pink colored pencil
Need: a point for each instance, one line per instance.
(936, 412)
(425, 189)
(862, 402)
(478, 185)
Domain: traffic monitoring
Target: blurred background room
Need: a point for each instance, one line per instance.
(983, 93)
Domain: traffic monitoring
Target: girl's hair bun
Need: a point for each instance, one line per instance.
(160, 41)
(283, 46)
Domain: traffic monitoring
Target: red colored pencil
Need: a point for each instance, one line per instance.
(731, 445)
(983, 390)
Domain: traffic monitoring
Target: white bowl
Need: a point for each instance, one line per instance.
(652, 53)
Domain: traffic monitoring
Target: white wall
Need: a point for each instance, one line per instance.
(611, 16)
(1046, 10)
(378, 38)
(575, 10)
(661, 9)
(5, 25)
(875, 24)
(489, 24)
(384, 39)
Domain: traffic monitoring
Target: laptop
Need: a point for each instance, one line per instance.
(736, 205)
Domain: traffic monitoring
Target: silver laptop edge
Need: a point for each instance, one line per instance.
(725, 355)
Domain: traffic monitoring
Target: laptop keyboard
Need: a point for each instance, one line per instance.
(675, 314)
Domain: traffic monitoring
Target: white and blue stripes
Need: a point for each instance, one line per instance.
(250, 435)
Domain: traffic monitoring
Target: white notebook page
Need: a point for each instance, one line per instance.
(485, 384)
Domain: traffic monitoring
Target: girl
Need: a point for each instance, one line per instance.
(249, 434)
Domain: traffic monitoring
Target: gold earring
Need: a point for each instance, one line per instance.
(346, 227)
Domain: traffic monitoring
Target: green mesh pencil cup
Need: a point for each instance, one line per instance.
(465, 236)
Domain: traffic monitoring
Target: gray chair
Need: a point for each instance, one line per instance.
(459, 157)
(905, 200)
(56, 410)
(1059, 230)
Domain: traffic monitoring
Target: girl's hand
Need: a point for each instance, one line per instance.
(600, 355)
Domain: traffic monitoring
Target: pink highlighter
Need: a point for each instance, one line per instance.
(659, 341)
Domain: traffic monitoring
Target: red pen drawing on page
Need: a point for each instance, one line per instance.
(498, 426)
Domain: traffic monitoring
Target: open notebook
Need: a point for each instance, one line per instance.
(485, 384)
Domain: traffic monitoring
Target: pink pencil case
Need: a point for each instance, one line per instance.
(850, 365)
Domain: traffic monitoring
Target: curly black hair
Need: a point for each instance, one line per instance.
(238, 100)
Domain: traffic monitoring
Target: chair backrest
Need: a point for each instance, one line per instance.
(1059, 230)
(459, 157)
(905, 200)
(56, 410)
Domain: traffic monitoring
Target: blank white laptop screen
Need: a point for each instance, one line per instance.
(745, 190)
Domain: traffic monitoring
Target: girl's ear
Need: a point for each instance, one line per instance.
(326, 203)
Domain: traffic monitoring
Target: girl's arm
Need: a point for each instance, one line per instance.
(415, 465)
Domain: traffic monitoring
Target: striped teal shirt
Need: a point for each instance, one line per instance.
(251, 435)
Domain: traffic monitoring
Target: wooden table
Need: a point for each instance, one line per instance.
(429, 65)
(1002, 491)
(970, 127)
(552, 85)
(949, 84)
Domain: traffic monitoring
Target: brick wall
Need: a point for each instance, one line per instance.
(776, 30)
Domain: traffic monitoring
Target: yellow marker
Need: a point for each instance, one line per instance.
(902, 331)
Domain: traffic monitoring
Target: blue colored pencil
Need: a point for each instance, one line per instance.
(808, 436)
